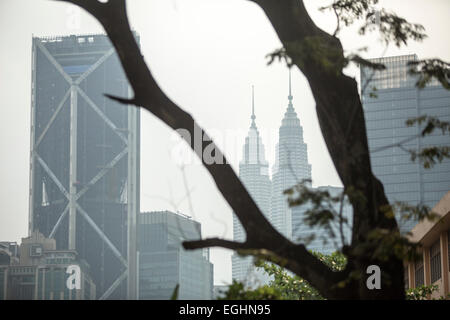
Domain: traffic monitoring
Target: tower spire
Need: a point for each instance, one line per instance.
(290, 97)
(253, 117)
(290, 93)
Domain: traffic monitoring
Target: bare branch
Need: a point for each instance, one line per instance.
(214, 242)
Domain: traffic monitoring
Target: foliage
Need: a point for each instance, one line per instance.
(429, 69)
(326, 212)
(311, 49)
(432, 123)
(321, 209)
(349, 11)
(429, 156)
(407, 212)
(284, 285)
(391, 27)
(421, 293)
(237, 291)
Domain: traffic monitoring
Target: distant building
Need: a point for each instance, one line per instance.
(84, 159)
(434, 238)
(9, 253)
(291, 167)
(322, 241)
(389, 98)
(40, 273)
(254, 174)
(163, 263)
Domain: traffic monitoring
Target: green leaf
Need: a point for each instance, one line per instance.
(175, 293)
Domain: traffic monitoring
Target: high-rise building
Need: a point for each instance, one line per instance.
(163, 263)
(317, 238)
(254, 174)
(389, 98)
(40, 272)
(84, 179)
(291, 167)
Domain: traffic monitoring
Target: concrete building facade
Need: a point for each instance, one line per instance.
(434, 238)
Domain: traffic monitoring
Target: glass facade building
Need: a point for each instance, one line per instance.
(163, 263)
(291, 167)
(389, 98)
(254, 174)
(84, 177)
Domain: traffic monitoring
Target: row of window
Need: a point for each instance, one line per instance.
(435, 264)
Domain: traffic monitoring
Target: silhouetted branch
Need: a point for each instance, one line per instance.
(214, 242)
(321, 59)
(261, 235)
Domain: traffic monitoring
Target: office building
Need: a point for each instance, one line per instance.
(84, 178)
(389, 98)
(40, 272)
(291, 167)
(163, 263)
(254, 174)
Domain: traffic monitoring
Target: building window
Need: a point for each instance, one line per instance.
(418, 274)
(435, 261)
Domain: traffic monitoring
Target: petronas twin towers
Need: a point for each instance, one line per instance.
(291, 166)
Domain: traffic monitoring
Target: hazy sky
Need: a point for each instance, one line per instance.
(206, 55)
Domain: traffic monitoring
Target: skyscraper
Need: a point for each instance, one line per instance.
(254, 174)
(395, 100)
(84, 179)
(291, 167)
(163, 263)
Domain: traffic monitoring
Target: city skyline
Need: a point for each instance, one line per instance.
(250, 67)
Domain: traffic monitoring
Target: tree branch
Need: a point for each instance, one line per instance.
(293, 257)
(261, 235)
(214, 242)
